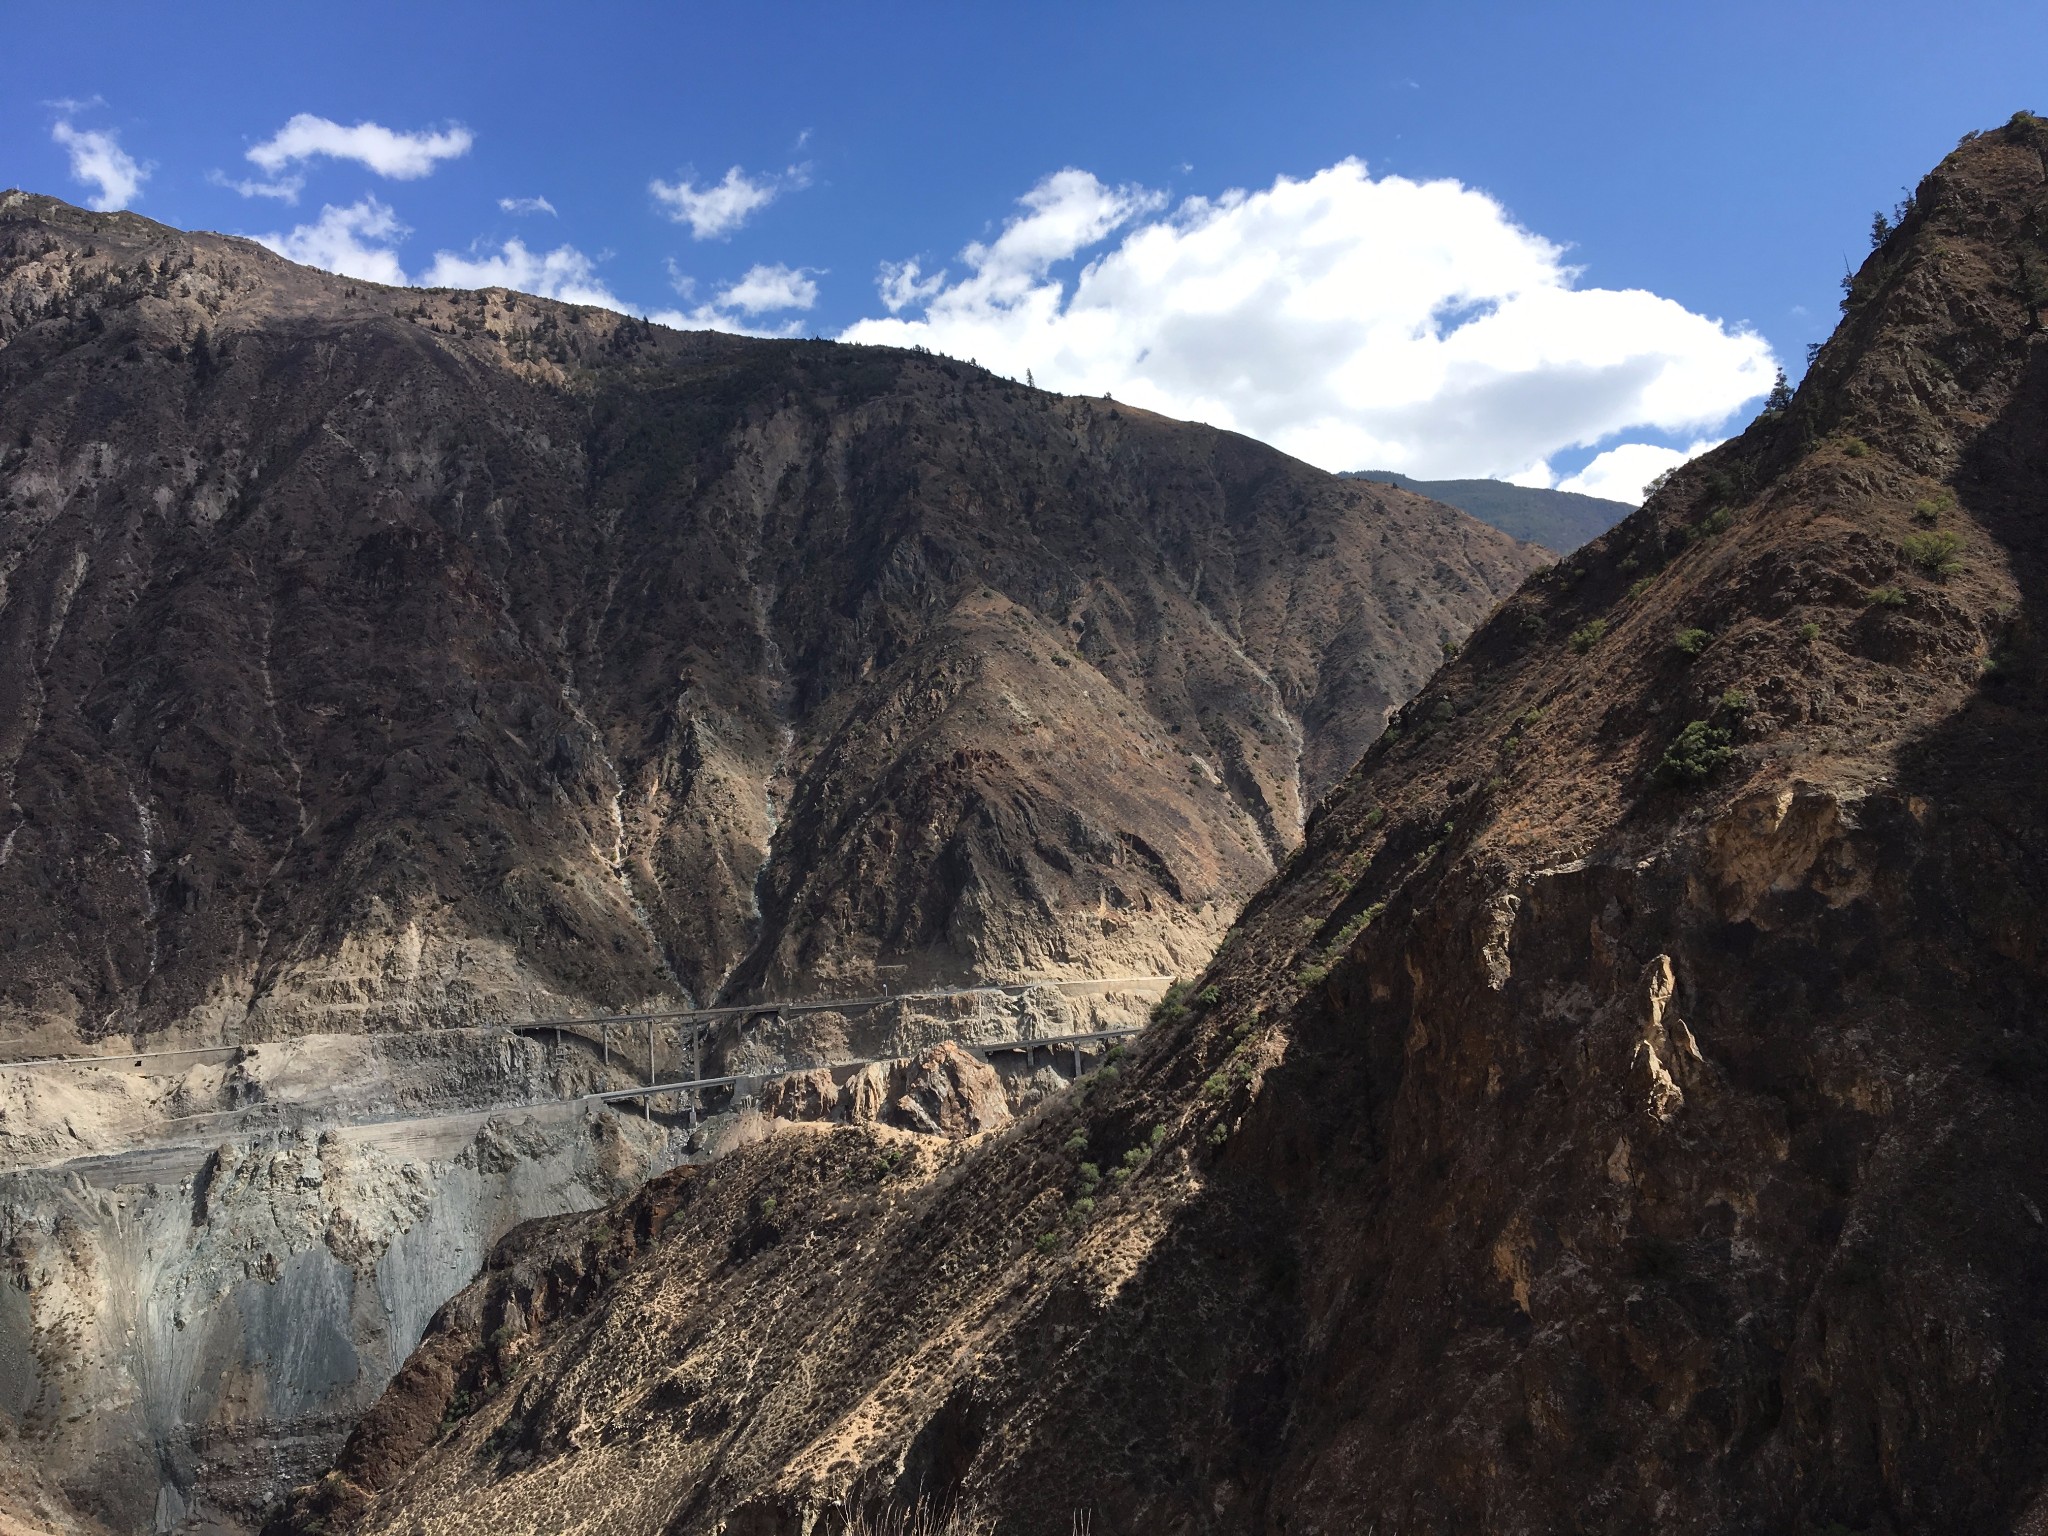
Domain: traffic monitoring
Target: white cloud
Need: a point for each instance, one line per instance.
(765, 288)
(761, 290)
(355, 241)
(1621, 472)
(285, 189)
(904, 283)
(1357, 323)
(525, 205)
(98, 160)
(719, 209)
(564, 273)
(400, 156)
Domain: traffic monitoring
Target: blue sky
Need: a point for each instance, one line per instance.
(1478, 239)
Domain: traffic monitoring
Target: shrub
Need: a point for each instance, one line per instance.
(1313, 975)
(1720, 520)
(1587, 635)
(1209, 997)
(1809, 632)
(1638, 588)
(1173, 1007)
(1934, 553)
(1695, 755)
(1736, 702)
(1077, 1143)
(1928, 509)
(1887, 597)
(1855, 448)
(1690, 642)
(1048, 1241)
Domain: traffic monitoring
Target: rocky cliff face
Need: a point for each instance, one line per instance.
(373, 658)
(1628, 1111)
(216, 1259)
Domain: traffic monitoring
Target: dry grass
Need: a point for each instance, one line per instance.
(921, 1519)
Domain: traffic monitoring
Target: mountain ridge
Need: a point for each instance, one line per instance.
(1557, 520)
(1625, 1110)
(434, 656)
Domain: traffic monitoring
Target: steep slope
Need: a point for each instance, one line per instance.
(376, 658)
(1559, 520)
(1629, 1110)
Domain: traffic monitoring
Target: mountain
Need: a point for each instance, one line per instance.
(375, 658)
(1559, 520)
(1628, 1110)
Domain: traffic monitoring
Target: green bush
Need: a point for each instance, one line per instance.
(1855, 448)
(1209, 997)
(1690, 642)
(1312, 975)
(1736, 702)
(1934, 553)
(1587, 635)
(1695, 755)
(1809, 632)
(1928, 509)
(1887, 597)
(1720, 520)
(1048, 1241)
(1639, 587)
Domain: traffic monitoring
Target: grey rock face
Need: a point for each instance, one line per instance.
(189, 1331)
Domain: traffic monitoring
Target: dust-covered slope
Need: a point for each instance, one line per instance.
(1629, 1111)
(374, 658)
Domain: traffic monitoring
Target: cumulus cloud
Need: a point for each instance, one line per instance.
(355, 241)
(525, 205)
(388, 152)
(715, 211)
(904, 283)
(99, 161)
(766, 288)
(564, 273)
(1353, 321)
(1621, 473)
